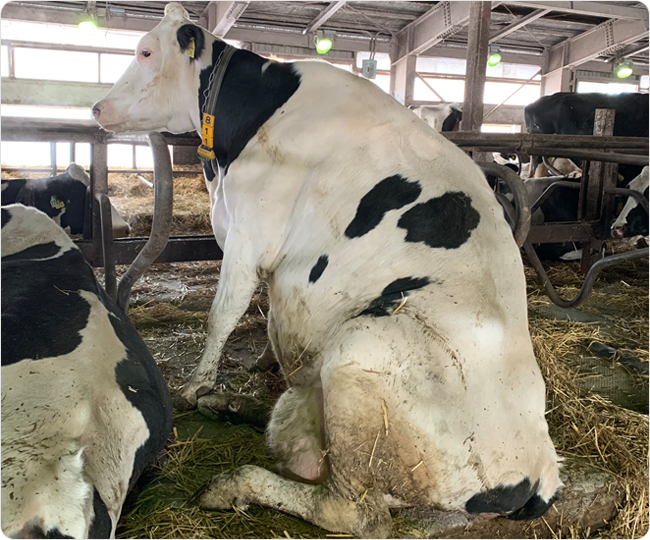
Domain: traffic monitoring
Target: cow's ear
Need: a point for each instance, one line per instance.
(191, 39)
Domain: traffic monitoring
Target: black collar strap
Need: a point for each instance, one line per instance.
(206, 150)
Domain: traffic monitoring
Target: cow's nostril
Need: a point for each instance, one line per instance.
(97, 110)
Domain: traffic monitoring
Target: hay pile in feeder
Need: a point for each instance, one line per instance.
(134, 201)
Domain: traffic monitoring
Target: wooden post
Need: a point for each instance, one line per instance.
(596, 205)
(477, 49)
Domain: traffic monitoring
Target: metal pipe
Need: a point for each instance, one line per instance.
(550, 167)
(53, 167)
(516, 185)
(630, 193)
(550, 189)
(162, 219)
(590, 278)
(108, 250)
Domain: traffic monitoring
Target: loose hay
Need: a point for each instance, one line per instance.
(584, 424)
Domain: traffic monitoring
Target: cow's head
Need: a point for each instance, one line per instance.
(159, 90)
(633, 219)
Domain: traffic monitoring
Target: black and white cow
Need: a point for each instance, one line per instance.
(633, 219)
(84, 406)
(61, 197)
(398, 297)
(567, 113)
(445, 117)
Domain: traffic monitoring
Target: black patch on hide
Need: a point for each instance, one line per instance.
(392, 295)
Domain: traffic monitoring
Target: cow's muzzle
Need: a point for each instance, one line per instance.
(618, 232)
(97, 110)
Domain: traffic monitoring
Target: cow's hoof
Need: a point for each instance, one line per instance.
(224, 491)
(236, 408)
(185, 400)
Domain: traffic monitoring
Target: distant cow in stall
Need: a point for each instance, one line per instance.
(397, 292)
(445, 117)
(633, 219)
(84, 406)
(61, 197)
(567, 113)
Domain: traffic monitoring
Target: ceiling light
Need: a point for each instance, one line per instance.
(494, 57)
(323, 41)
(623, 68)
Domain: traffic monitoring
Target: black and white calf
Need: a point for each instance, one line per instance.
(84, 406)
(61, 197)
(446, 117)
(398, 297)
(633, 219)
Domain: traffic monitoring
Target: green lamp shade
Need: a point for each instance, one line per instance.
(88, 27)
(323, 45)
(624, 71)
(494, 59)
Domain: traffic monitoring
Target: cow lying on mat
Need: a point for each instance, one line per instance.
(84, 406)
(398, 298)
(61, 197)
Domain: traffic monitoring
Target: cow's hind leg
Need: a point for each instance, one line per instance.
(321, 504)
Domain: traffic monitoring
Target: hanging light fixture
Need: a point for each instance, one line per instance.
(324, 41)
(494, 57)
(623, 68)
(88, 23)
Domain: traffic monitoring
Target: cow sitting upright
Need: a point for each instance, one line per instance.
(61, 197)
(84, 406)
(398, 297)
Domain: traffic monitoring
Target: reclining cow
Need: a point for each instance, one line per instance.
(61, 197)
(398, 298)
(84, 406)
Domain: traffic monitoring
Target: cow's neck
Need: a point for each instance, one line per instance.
(253, 89)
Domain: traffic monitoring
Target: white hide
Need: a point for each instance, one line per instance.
(455, 367)
(435, 115)
(639, 184)
(56, 413)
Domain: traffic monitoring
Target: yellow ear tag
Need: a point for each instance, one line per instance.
(56, 203)
(191, 48)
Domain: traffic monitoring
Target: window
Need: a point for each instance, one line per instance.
(112, 66)
(451, 90)
(500, 128)
(383, 81)
(68, 35)
(4, 61)
(450, 66)
(496, 92)
(606, 87)
(44, 64)
(32, 111)
(643, 82)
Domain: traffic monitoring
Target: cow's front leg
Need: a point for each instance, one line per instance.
(321, 505)
(237, 284)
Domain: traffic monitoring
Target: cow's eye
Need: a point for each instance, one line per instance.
(146, 54)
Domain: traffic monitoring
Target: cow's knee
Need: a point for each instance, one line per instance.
(294, 434)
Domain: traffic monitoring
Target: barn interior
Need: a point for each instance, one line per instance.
(594, 355)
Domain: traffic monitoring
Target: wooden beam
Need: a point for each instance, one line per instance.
(606, 38)
(606, 10)
(323, 16)
(517, 24)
